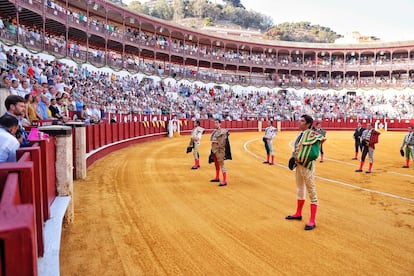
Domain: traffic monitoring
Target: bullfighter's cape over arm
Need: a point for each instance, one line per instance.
(308, 149)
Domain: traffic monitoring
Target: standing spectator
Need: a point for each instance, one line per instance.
(407, 146)
(357, 137)
(269, 135)
(195, 139)
(305, 151)
(9, 144)
(218, 150)
(322, 132)
(368, 139)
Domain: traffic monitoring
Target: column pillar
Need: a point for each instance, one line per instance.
(63, 164)
(4, 92)
(79, 149)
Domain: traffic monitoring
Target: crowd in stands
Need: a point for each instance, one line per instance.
(51, 89)
(32, 36)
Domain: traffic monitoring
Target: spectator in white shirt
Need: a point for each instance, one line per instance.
(8, 128)
(95, 114)
(14, 88)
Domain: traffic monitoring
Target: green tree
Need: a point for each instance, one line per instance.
(234, 3)
(302, 32)
(162, 10)
(138, 7)
(200, 8)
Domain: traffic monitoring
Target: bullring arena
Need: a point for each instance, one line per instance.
(108, 192)
(142, 211)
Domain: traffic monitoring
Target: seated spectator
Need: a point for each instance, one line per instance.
(30, 111)
(3, 57)
(6, 82)
(36, 107)
(95, 114)
(43, 107)
(23, 88)
(14, 88)
(56, 110)
(9, 126)
(16, 107)
(85, 115)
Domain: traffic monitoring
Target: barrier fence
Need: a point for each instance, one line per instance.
(28, 187)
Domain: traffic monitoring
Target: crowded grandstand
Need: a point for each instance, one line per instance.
(95, 63)
(161, 69)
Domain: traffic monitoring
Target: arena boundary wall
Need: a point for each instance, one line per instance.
(31, 213)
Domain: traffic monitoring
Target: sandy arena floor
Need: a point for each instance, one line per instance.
(142, 211)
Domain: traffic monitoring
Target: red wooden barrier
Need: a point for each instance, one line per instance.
(89, 139)
(25, 169)
(108, 131)
(74, 145)
(10, 191)
(96, 136)
(102, 137)
(145, 130)
(17, 217)
(17, 239)
(139, 129)
(115, 137)
(121, 131)
(33, 154)
(131, 126)
(126, 130)
(48, 157)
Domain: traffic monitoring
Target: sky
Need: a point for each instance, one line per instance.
(388, 20)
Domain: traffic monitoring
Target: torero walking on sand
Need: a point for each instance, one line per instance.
(368, 140)
(218, 150)
(270, 134)
(305, 151)
(195, 139)
(407, 147)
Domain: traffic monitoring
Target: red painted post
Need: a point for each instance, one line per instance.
(102, 137)
(121, 131)
(115, 137)
(25, 169)
(96, 136)
(108, 131)
(48, 156)
(89, 139)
